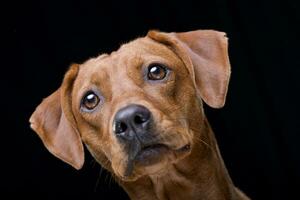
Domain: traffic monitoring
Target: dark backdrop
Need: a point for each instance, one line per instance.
(257, 130)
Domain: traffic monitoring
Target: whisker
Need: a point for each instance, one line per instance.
(93, 163)
(205, 143)
(107, 176)
(98, 179)
(110, 180)
(198, 138)
(172, 109)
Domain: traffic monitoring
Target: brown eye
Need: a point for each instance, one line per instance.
(157, 72)
(90, 101)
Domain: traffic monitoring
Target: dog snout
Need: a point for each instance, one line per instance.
(131, 120)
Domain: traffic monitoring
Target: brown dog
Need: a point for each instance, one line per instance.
(139, 112)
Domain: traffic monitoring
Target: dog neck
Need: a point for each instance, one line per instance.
(201, 175)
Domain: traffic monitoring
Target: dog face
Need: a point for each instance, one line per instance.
(138, 110)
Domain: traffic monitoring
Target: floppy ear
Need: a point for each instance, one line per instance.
(204, 52)
(53, 121)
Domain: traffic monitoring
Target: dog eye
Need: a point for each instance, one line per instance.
(157, 72)
(90, 101)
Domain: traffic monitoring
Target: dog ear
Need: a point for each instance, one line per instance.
(54, 122)
(205, 54)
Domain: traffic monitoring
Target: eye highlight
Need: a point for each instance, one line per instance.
(90, 101)
(157, 72)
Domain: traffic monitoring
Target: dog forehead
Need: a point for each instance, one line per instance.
(126, 65)
(143, 45)
(130, 54)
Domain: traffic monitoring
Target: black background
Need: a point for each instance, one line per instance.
(257, 130)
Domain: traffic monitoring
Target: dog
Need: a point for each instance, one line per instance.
(139, 112)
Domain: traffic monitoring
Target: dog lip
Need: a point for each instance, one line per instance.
(151, 154)
(153, 146)
(185, 148)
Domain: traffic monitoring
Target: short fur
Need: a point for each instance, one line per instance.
(200, 70)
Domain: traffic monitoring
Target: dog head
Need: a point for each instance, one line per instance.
(139, 109)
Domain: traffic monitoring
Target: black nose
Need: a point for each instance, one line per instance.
(131, 120)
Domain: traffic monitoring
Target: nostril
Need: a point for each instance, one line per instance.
(123, 127)
(130, 119)
(120, 127)
(138, 119)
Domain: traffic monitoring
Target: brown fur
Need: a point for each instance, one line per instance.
(200, 70)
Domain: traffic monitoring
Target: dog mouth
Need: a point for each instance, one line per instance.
(149, 157)
(152, 154)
